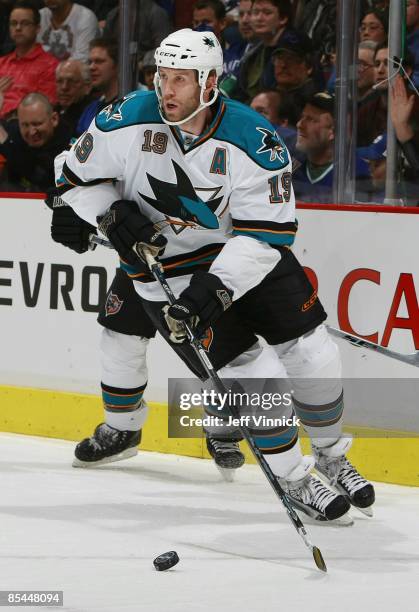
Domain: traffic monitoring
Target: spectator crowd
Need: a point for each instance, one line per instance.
(59, 67)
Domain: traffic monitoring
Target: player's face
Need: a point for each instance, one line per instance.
(70, 84)
(314, 130)
(180, 93)
(290, 70)
(22, 27)
(245, 19)
(36, 125)
(103, 70)
(208, 17)
(381, 68)
(266, 19)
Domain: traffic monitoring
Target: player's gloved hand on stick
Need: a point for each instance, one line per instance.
(67, 227)
(199, 305)
(125, 226)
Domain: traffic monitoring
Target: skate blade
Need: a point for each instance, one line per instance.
(126, 454)
(343, 521)
(366, 511)
(227, 474)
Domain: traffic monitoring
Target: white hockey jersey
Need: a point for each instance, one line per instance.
(223, 204)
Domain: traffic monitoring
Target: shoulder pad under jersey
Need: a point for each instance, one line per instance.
(136, 108)
(252, 133)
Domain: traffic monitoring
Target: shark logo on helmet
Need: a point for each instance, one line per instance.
(209, 42)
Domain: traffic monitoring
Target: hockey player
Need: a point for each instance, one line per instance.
(215, 179)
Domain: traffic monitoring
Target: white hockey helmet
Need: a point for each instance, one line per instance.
(189, 50)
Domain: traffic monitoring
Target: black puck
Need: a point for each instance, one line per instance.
(166, 560)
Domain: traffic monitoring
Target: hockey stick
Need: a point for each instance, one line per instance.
(93, 239)
(157, 272)
(410, 358)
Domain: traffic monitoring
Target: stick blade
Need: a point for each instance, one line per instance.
(318, 559)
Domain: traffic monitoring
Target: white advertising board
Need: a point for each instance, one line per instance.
(49, 299)
(368, 278)
(365, 263)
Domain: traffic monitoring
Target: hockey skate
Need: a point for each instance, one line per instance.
(332, 463)
(310, 495)
(106, 446)
(226, 454)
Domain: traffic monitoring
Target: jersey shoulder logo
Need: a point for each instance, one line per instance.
(114, 111)
(271, 144)
(180, 200)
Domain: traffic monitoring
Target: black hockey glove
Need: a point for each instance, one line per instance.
(125, 226)
(66, 226)
(199, 305)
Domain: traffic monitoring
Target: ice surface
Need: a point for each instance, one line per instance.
(94, 535)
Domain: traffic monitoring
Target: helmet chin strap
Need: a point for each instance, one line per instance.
(202, 105)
